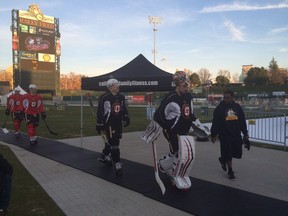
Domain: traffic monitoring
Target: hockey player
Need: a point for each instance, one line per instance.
(111, 113)
(33, 106)
(15, 107)
(175, 116)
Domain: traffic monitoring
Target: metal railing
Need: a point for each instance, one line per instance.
(266, 127)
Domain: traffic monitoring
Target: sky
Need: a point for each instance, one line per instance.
(99, 36)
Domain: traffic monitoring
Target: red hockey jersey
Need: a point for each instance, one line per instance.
(33, 104)
(15, 103)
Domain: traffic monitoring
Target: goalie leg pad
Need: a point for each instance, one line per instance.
(182, 164)
(166, 164)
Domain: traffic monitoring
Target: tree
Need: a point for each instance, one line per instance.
(257, 76)
(284, 74)
(71, 81)
(195, 80)
(7, 75)
(225, 73)
(235, 78)
(275, 73)
(204, 75)
(222, 80)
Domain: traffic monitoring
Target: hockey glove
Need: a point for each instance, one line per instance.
(126, 121)
(246, 142)
(99, 128)
(7, 112)
(43, 115)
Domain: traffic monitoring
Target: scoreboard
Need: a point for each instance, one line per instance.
(36, 41)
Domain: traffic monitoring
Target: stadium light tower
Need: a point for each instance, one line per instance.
(155, 20)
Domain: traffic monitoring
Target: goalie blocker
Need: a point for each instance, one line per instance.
(178, 166)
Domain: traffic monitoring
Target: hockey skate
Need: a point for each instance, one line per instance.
(33, 142)
(105, 159)
(17, 134)
(118, 169)
(181, 183)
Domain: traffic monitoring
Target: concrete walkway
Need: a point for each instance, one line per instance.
(261, 171)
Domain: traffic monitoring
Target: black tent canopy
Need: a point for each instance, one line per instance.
(139, 75)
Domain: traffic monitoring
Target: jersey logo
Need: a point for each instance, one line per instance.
(18, 103)
(116, 108)
(33, 104)
(231, 115)
(185, 111)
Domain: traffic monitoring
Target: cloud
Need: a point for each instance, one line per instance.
(236, 33)
(243, 7)
(278, 30)
(283, 50)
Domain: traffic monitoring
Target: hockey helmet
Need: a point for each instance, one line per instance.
(32, 86)
(111, 82)
(17, 89)
(181, 77)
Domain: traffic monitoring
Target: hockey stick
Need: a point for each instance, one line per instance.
(94, 115)
(158, 180)
(91, 104)
(48, 128)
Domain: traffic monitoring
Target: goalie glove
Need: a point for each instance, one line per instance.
(199, 129)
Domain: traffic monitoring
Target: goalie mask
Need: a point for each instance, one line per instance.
(181, 77)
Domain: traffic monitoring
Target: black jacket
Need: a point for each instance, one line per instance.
(228, 120)
(111, 109)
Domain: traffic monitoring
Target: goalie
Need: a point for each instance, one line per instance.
(175, 116)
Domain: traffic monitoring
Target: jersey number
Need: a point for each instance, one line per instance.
(116, 108)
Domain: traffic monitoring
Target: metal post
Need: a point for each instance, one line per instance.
(285, 132)
(81, 119)
(155, 20)
(154, 29)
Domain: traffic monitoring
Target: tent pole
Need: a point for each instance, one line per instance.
(81, 119)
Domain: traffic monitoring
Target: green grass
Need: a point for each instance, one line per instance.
(67, 123)
(28, 197)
